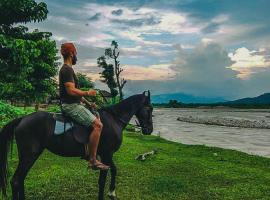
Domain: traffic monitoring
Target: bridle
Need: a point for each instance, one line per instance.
(137, 123)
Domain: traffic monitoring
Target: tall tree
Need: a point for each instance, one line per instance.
(113, 53)
(108, 75)
(27, 59)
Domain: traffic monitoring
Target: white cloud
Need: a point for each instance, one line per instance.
(175, 23)
(142, 52)
(187, 46)
(58, 38)
(229, 33)
(152, 72)
(248, 62)
(164, 22)
(99, 40)
(88, 63)
(94, 76)
(138, 39)
(133, 72)
(206, 40)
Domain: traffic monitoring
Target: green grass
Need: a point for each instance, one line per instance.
(177, 172)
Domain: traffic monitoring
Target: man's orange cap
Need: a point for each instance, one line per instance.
(68, 49)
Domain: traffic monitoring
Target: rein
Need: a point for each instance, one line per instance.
(116, 116)
(112, 112)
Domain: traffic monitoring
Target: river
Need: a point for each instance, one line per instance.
(250, 140)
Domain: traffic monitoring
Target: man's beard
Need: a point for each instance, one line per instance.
(74, 60)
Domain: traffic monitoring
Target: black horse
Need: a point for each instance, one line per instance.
(34, 133)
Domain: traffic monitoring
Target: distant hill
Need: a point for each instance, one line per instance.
(184, 98)
(259, 100)
(263, 99)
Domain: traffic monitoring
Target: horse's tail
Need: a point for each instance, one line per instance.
(6, 137)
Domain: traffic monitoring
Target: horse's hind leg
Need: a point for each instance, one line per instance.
(15, 184)
(27, 157)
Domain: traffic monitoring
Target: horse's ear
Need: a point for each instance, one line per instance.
(146, 93)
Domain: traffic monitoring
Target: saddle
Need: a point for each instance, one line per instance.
(66, 125)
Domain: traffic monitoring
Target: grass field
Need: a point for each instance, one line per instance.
(177, 172)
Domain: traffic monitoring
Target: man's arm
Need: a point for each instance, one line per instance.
(73, 91)
(67, 75)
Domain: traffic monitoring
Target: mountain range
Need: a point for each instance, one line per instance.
(187, 98)
(259, 100)
(184, 98)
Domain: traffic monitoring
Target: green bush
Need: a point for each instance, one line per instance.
(54, 108)
(9, 112)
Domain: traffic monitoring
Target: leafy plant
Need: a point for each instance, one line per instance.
(8, 112)
(28, 59)
(84, 81)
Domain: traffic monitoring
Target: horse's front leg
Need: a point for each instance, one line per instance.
(112, 193)
(101, 183)
(107, 160)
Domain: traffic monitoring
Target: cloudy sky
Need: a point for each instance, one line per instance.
(214, 48)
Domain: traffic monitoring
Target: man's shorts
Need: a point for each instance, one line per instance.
(79, 113)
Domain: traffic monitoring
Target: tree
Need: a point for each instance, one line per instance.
(21, 11)
(174, 104)
(113, 53)
(108, 75)
(27, 59)
(84, 81)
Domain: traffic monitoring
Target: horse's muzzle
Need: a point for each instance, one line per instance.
(147, 130)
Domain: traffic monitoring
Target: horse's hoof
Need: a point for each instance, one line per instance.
(112, 195)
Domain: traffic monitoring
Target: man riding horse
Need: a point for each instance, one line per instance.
(35, 132)
(71, 98)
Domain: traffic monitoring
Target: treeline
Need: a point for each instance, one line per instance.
(177, 104)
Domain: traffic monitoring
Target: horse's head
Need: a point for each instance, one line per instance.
(144, 114)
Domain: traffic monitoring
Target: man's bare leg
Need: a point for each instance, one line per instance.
(93, 145)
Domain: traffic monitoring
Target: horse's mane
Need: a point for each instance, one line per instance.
(134, 99)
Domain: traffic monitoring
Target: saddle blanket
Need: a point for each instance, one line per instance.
(60, 127)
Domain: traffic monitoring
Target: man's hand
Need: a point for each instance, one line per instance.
(91, 93)
(89, 104)
(94, 106)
